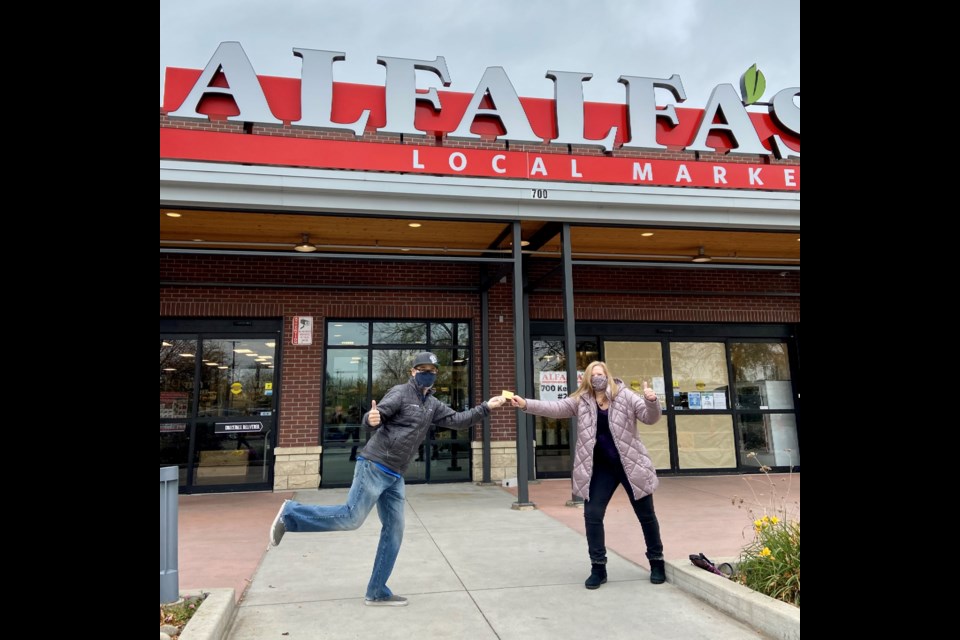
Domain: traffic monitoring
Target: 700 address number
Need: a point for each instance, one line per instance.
(538, 194)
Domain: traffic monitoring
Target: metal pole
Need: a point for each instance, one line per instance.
(570, 340)
(527, 376)
(519, 346)
(485, 382)
(169, 577)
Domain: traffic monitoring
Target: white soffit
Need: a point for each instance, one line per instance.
(282, 189)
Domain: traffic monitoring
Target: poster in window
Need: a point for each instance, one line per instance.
(693, 400)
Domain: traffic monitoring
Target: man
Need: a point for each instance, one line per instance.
(400, 421)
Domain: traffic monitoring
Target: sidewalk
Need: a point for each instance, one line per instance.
(470, 565)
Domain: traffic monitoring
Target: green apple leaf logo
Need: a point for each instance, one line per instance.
(752, 85)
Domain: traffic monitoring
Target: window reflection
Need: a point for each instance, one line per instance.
(177, 367)
(771, 436)
(399, 332)
(762, 374)
(348, 333)
(236, 377)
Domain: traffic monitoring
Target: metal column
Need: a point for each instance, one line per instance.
(485, 379)
(519, 354)
(569, 339)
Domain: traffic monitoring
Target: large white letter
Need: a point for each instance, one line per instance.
(244, 87)
(786, 112)
(316, 92)
(683, 174)
(506, 107)
(725, 102)
(538, 167)
(642, 173)
(402, 93)
(643, 112)
(568, 101)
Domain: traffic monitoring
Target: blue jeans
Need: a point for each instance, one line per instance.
(607, 476)
(371, 486)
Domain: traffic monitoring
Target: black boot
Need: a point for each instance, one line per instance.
(658, 572)
(598, 575)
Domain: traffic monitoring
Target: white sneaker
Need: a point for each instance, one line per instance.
(392, 601)
(277, 528)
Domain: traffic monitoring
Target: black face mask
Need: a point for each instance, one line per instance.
(425, 379)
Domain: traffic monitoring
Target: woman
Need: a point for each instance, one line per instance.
(609, 453)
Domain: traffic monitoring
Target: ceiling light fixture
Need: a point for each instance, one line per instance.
(414, 225)
(305, 246)
(647, 234)
(173, 214)
(701, 256)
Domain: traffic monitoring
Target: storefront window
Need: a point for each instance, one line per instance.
(636, 363)
(762, 374)
(399, 333)
(356, 376)
(348, 333)
(705, 442)
(771, 436)
(550, 375)
(700, 379)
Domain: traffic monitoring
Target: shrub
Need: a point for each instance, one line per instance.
(770, 563)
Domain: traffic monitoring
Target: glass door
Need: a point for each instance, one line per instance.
(218, 399)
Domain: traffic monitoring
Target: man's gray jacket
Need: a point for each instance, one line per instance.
(405, 419)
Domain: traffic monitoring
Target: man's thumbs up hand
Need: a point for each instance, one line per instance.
(373, 418)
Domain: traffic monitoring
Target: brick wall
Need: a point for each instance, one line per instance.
(678, 295)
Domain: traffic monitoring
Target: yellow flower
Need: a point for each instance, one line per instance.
(766, 552)
(757, 524)
(766, 518)
(774, 519)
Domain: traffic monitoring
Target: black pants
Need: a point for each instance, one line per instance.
(607, 474)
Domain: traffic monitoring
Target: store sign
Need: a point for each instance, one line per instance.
(229, 87)
(553, 384)
(302, 330)
(240, 426)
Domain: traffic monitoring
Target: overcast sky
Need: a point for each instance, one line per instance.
(706, 42)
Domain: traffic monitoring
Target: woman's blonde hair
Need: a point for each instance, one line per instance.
(587, 387)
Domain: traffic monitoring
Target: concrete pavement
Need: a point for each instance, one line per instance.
(475, 568)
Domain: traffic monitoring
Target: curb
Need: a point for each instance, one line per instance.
(772, 617)
(212, 618)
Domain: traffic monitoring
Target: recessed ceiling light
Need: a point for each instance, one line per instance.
(404, 249)
(223, 366)
(169, 369)
(798, 239)
(165, 344)
(187, 355)
(198, 239)
(174, 214)
(415, 225)
(647, 234)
